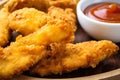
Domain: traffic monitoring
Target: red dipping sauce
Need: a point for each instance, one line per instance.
(105, 12)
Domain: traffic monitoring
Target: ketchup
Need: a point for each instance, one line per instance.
(106, 12)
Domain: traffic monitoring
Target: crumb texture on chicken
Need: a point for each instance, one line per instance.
(45, 44)
(4, 29)
(74, 56)
(27, 20)
(28, 50)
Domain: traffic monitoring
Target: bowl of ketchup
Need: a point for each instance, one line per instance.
(100, 18)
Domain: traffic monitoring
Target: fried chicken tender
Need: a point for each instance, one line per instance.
(28, 50)
(64, 14)
(23, 21)
(4, 29)
(74, 56)
(27, 20)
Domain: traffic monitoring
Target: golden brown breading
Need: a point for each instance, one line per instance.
(64, 3)
(90, 53)
(66, 14)
(4, 29)
(13, 5)
(74, 56)
(27, 20)
(24, 22)
(26, 51)
(43, 5)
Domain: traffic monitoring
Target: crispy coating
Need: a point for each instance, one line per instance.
(43, 5)
(66, 14)
(27, 20)
(23, 21)
(4, 29)
(74, 56)
(13, 5)
(64, 3)
(26, 51)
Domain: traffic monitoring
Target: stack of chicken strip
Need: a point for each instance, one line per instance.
(45, 45)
